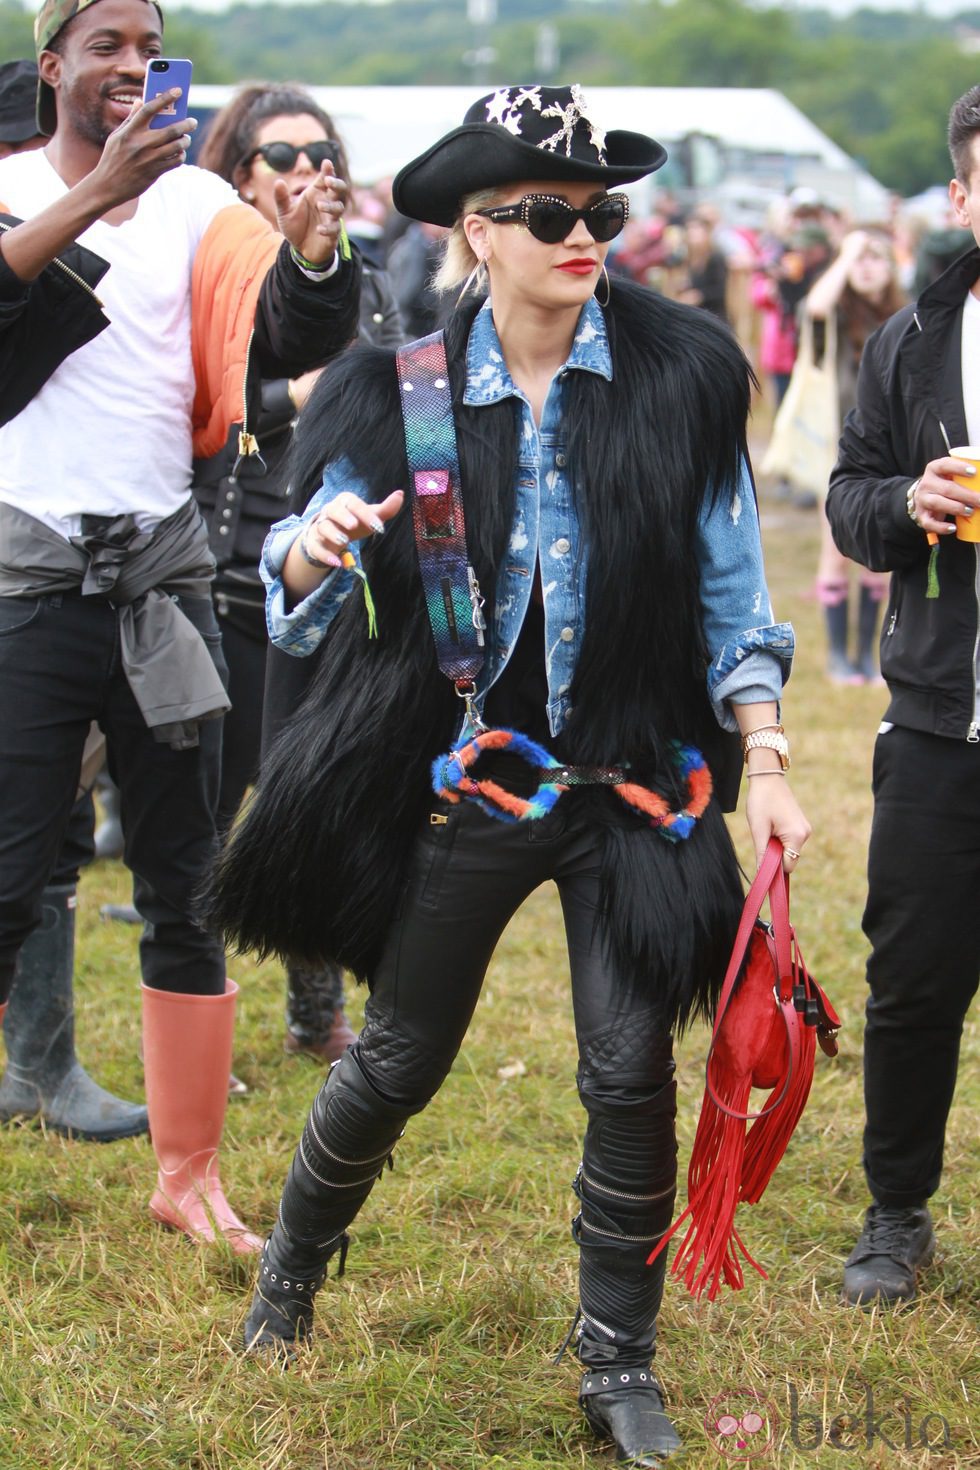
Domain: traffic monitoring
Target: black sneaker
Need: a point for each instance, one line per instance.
(628, 1408)
(884, 1264)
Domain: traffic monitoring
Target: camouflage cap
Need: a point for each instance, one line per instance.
(52, 18)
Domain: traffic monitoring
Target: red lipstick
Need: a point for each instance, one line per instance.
(580, 267)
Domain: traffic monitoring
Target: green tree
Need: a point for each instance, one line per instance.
(711, 43)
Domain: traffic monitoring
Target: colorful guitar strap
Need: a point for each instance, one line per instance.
(452, 594)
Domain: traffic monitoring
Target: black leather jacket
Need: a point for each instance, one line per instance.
(910, 411)
(43, 322)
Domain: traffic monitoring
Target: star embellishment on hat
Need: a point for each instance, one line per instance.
(506, 106)
(571, 115)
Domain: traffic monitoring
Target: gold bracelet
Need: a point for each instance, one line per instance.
(769, 771)
(768, 737)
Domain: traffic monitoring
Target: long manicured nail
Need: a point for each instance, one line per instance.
(341, 539)
(377, 526)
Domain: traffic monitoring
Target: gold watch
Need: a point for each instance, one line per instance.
(771, 738)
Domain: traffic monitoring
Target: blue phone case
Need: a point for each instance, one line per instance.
(162, 73)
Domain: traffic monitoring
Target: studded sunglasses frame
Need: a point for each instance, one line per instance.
(568, 217)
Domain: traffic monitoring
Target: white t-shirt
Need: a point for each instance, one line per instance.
(110, 431)
(970, 367)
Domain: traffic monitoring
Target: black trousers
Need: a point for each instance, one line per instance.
(469, 875)
(60, 669)
(923, 921)
(241, 746)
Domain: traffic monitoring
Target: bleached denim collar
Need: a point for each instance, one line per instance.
(487, 378)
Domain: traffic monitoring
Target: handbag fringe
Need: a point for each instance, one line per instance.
(729, 1165)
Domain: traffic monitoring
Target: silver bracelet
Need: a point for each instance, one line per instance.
(313, 561)
(910, 502)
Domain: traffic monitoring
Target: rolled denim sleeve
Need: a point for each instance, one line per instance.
(301, 630)
(750, 654)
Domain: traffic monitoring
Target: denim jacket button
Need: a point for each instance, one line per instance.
(562, 545)
(566, 635)
(561, 460)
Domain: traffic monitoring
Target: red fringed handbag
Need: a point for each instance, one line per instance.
(770, 1016)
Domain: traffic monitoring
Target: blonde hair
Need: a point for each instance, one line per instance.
(459, 260)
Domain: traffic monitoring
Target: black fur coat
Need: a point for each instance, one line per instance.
(316, 866)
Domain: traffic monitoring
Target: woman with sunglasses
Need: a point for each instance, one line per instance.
(270, 132)
(573, 601)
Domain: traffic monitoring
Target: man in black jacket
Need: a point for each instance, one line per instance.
(894, 506)
(105, 569)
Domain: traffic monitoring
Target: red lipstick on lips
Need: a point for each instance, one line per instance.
(582, 267)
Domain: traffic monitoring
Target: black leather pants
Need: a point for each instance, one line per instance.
(469, 875)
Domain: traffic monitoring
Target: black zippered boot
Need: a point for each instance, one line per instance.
(348, 1138)
(626, 1185)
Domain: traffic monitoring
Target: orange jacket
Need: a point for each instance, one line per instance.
(230, 264)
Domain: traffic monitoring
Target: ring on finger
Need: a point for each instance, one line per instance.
(790, 852)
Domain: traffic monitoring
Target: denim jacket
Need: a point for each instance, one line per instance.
(750, 654)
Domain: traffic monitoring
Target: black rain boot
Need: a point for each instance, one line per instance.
(869, 606)
(626, 1185)
(44, 1079)
(349, 1137)
(315, 1020)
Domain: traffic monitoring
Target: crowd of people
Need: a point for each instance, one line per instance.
(429, 601)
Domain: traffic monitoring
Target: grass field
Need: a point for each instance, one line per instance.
(120, 1341)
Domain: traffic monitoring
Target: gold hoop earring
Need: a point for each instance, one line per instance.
(605, 275)
(475, 281)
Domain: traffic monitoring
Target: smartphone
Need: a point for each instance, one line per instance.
(162, 73)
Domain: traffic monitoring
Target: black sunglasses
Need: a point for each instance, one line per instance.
(551, 219)
(283, 156)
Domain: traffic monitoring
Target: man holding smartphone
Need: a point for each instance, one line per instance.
(136, 293)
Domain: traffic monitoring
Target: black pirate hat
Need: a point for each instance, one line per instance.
(544, 133)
